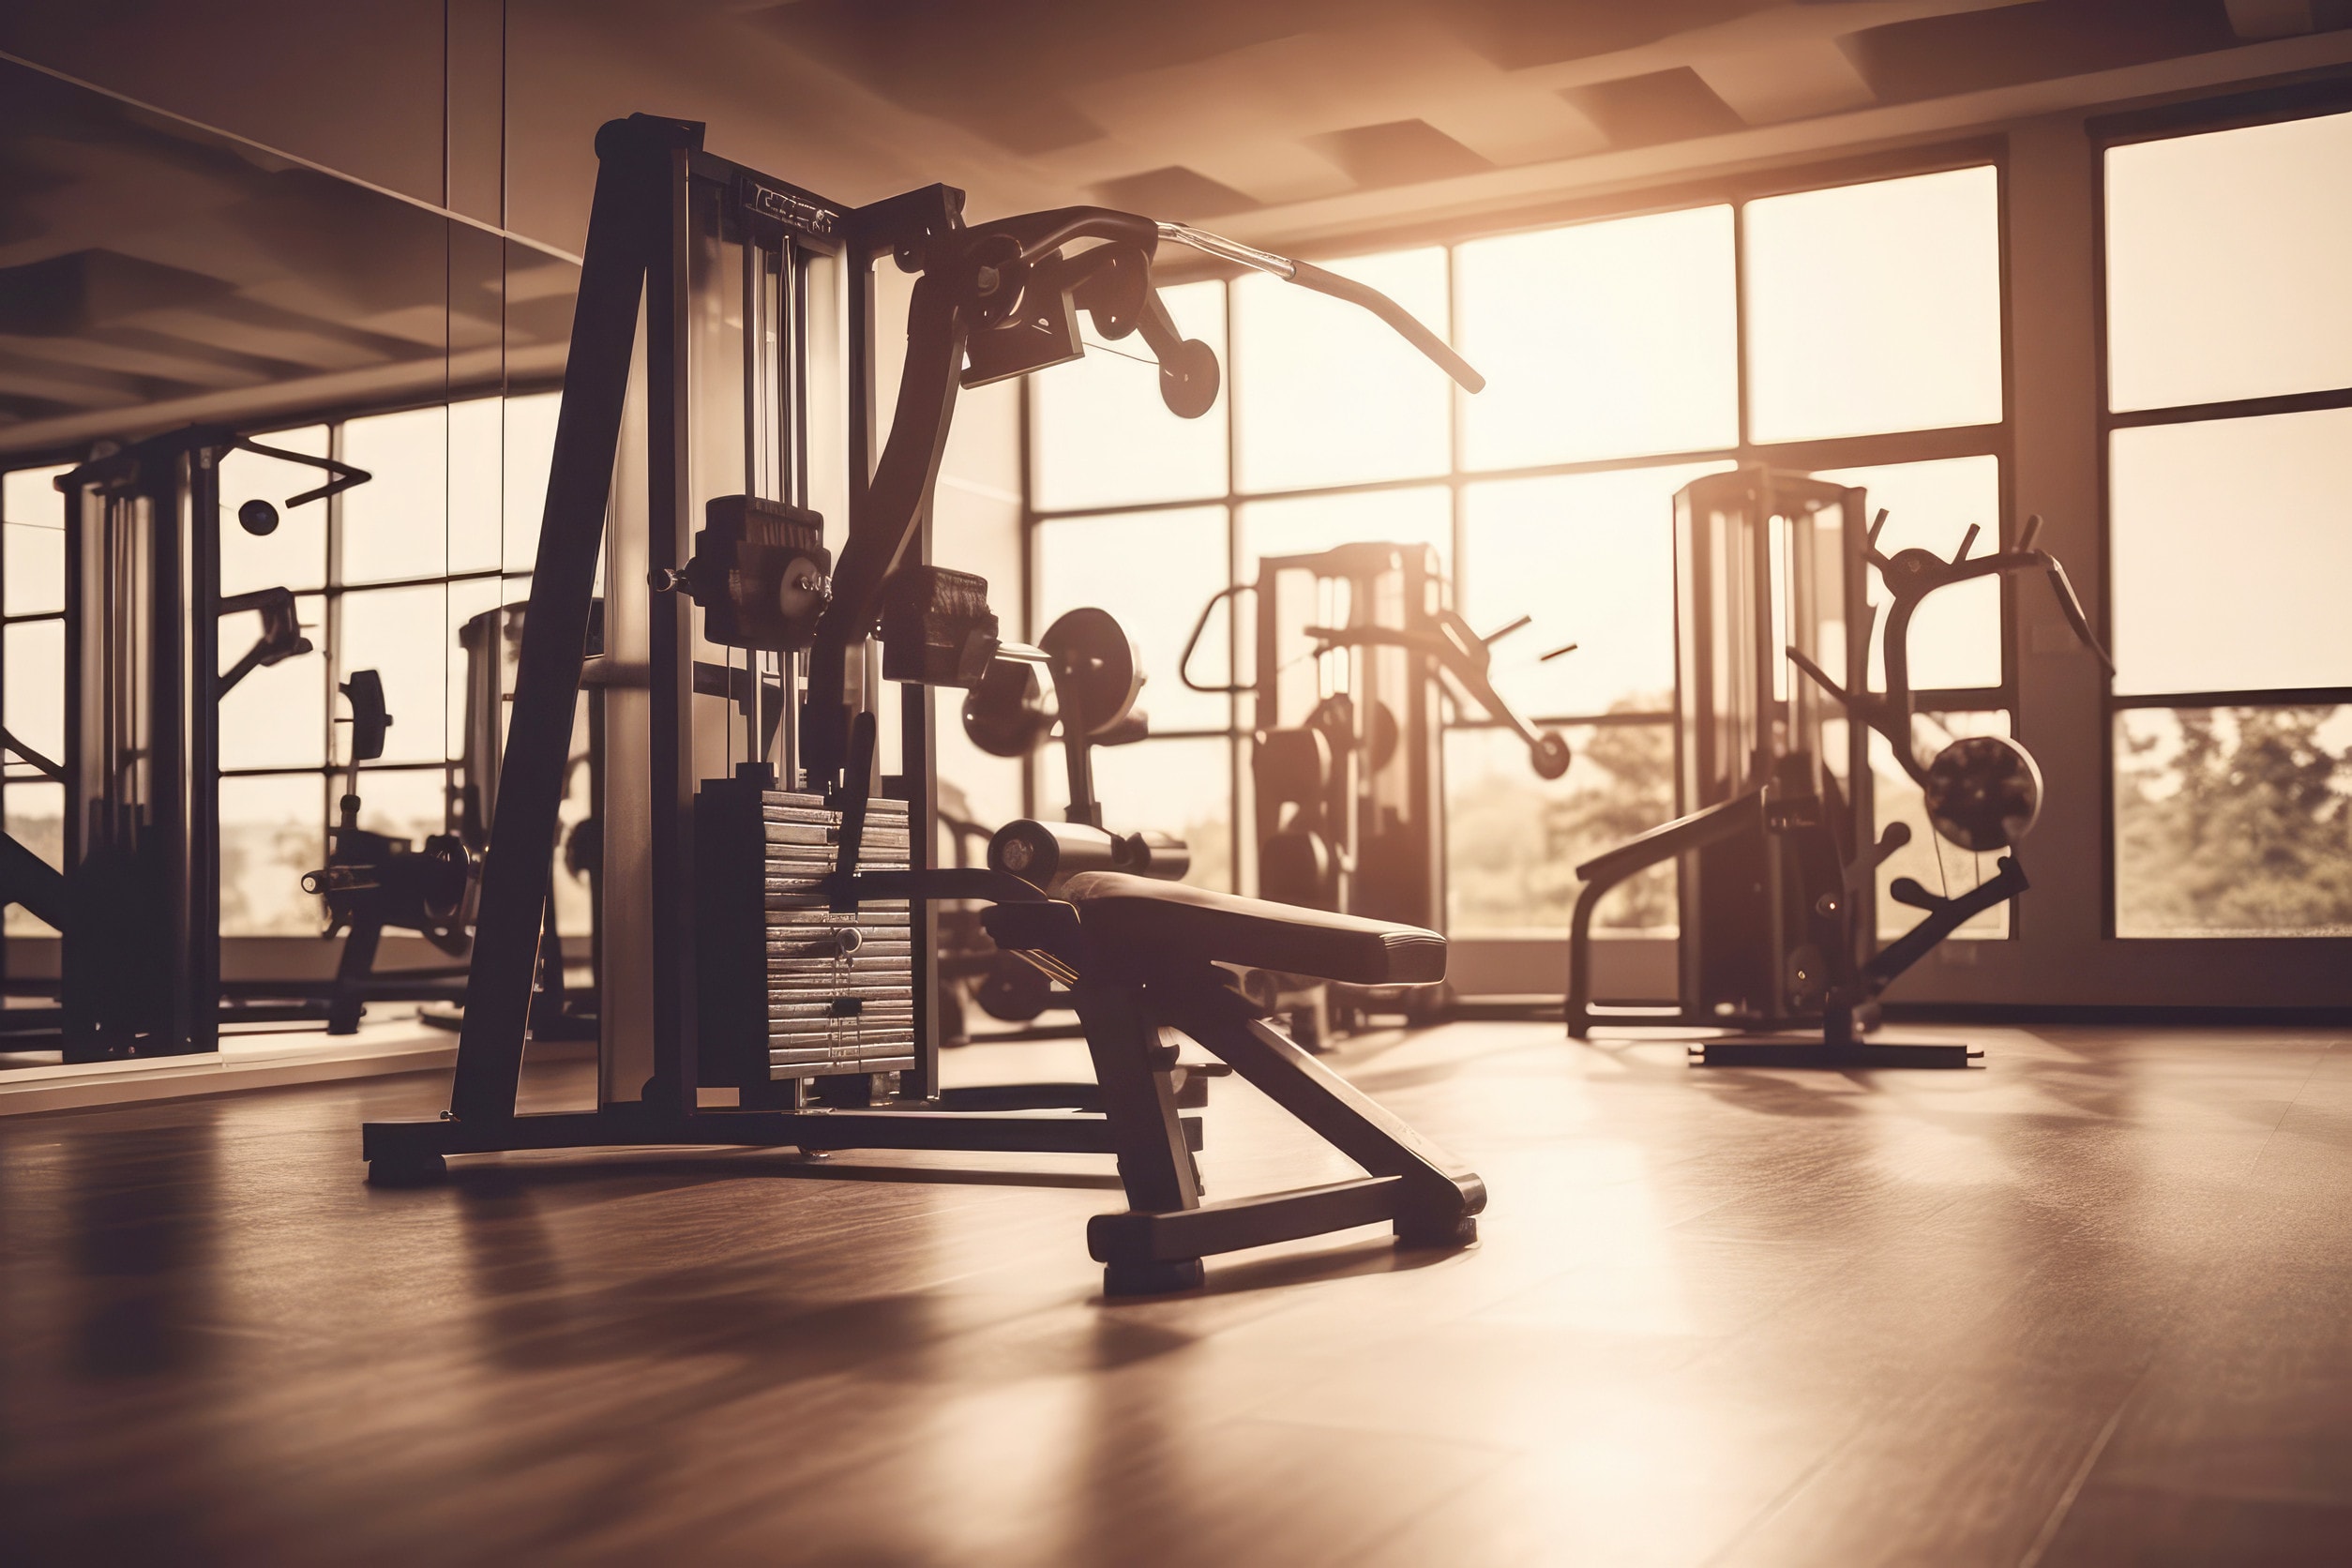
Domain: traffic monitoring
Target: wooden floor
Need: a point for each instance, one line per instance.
(2091, 1303)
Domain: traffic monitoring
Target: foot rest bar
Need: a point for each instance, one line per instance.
(1243, 1222)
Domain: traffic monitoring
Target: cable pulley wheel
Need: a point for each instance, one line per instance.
(1983, 793)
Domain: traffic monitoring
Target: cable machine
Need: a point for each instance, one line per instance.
(1347, 762)
(1778, 849)
(767, 957)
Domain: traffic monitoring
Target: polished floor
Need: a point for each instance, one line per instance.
(2091, 1303)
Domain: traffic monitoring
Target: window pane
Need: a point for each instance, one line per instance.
(2225, 264)
(1591, 557)
(275, 717)
(1155, 571)
(1308, 525)
(1514, 841)
(2231, 543)
(2233, 821)
(1185, 787)
(400, 633)
(529, 454)
(402, 803)
(1957, 634)
(35, 694)
(1101, 437)
(1325, 393)
(33, 515)
(477, 487)
(1874, 307)
(36, 820)
(272, 831)
(1304, 524)
(295, 555)
(394, 525)
(1600, 340)
(1937, 865)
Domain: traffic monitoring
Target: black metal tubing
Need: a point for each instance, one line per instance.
(200, 741)
(883, 515)
(1140, 1236)
(1948, 916)
(1438, 1192)
(28, 880)
(1834, 1055)
(624, 216)
(398, 1142)
(1725, 820)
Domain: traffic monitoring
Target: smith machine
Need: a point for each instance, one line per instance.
(768, 932)
(1778, 883)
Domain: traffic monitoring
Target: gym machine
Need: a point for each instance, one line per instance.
(373, 882)
(1348, 761)
(767, 936)
(1777, 847)
(1096, 676)
(137, 907)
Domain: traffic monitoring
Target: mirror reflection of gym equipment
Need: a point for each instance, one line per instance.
(1474, 783)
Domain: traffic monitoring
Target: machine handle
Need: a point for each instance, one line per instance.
(1184, 664)
(1308, 276)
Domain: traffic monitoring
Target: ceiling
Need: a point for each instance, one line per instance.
(158, 269)
(1246, 112)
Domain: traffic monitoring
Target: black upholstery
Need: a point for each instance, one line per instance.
(1136, 922)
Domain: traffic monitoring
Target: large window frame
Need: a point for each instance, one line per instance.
(2201, 116)
(1993, 439)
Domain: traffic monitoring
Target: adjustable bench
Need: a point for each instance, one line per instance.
(1139, 958)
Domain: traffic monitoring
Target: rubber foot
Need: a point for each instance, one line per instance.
(415, 1171)
(1154, 1279)
(1450, 1235)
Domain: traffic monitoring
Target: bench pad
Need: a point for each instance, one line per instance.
(1160, 921)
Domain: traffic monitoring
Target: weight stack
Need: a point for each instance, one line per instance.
(788, 987)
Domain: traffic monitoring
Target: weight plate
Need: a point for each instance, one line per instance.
(1983, 792)
(1006, 714)
(1096, 671)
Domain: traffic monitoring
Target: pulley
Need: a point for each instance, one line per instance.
(1983, 793)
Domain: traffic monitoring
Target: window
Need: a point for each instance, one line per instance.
(2228, 410)
(1601, 339)
(1870, 329)
(385, 574)
(1874, 307)
(32, 665)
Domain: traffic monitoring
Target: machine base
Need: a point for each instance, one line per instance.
(407, 1153)
(1784, 1050)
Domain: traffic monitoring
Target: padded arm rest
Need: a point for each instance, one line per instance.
(1133, 923)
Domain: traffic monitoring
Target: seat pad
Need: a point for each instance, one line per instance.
(1160, 921)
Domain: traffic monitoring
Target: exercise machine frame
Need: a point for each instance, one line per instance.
(664, 208)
